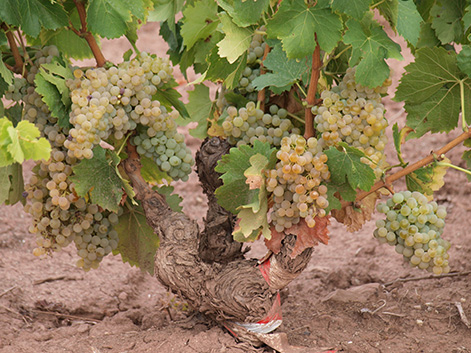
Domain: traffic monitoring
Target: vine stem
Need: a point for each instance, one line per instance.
(18, 68)
(88, 36)
(449, 165)
(311, 93)
(261, 94)
(411, 168)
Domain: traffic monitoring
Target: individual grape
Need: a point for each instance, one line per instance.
(296, 183)
(354, 114)
(417, 238)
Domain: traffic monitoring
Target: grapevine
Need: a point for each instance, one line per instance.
(289, 100)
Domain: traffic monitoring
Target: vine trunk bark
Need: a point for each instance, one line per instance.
(207, 268)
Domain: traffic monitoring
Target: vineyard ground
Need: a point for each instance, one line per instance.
(338, 302)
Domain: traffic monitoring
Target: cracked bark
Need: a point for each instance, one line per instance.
(207, 268)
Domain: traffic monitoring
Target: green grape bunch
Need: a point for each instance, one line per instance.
(354, 114)
(248, 124)
(414, 226)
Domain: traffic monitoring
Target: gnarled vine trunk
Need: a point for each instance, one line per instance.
(207, 268)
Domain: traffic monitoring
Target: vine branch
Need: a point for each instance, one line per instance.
(413, 167)
(311, 93)
(88, 36)
(18, 68)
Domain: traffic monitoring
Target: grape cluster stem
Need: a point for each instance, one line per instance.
(311, 93)
(413, 167)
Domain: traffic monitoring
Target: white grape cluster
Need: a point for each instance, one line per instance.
(296, 182)
(354, 114)
(168, 150)
(252, 70)
(16, 90)
(246, 125)
(60, 217)
(414, 226)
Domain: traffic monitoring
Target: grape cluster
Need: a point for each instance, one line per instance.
(16, 90)
(252, 70)
(168, 150)
(60, 217)
(354, 114)
(414, 226)
(114, 101)
(296, 182)
(248, 124)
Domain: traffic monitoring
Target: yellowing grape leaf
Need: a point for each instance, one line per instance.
(355, 217)
(427, 179)
(253, 216)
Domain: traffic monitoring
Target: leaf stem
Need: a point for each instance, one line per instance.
(88, 36)
(301, 89)
(413, 167)
(311, 93)
(445, 164)
(18, 68)
(463, 115)
(295, 117)
(377, 4)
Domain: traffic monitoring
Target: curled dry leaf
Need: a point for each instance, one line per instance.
(305, 237)
(355, 217)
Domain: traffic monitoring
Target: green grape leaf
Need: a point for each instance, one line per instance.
(467, 18)
(245, 13)
(221, 70)
(137, 242)
(20, 143)
(108, 18)
(431, 92)
(464, 60)
(11, 184)
(354, 9)
(10, 12)
(389, 9)
(235, 192)
(297, 25)
(98, 178)
(6, 74)
(467, 158)
(199, 108)
(165, 11)
(284, 71)
(151, 172)
(334, 202)
(345, 165)
(427, 37)
(199, 21)
(173, 200)
(52, 96)
(66, 41)
(370, 42)
(14, 113)
(446, 20)
(170, 98)
(408, 21)
(253, 216)
(237, 39)
(36, 14)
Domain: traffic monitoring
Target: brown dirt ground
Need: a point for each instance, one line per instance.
(339, 302)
